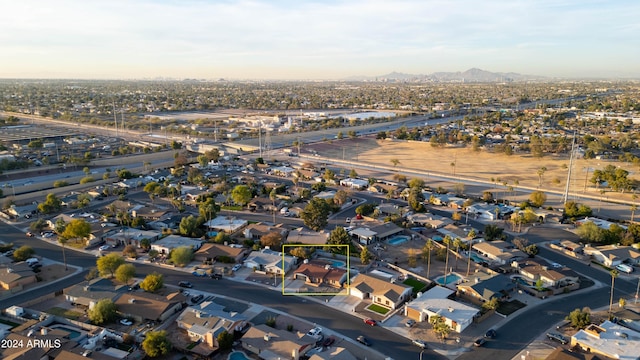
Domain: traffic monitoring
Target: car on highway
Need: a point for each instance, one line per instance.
(126, 322)
(419, 343)
(363, 340)
(557, 337)
(185, 284)
(104, 248)
(370, 322)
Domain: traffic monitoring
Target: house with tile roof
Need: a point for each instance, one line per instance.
(143, 306)
(534, 270)
(438, 301)
(269, 261)
(210, 252)
(269, 343)
(478, 290)
(88, 294)
(380, 291)
(612, 255)
(205, 321)
(15, 276)
(500, 252)
(317, 274)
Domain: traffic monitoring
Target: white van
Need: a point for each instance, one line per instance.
(624, 268)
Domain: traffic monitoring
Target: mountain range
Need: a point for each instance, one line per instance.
(471, 75)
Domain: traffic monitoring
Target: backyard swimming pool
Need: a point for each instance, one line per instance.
(398, 239)
(338, 264)
(238, 355)
(450, 278)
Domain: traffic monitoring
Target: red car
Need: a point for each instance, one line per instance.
(370, 322)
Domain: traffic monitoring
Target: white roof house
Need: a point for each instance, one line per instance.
(165, 245)
(269, 261)
(354, 183)
(436, 302)
(609, 339)
(226, 224)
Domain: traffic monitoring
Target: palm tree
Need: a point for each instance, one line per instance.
(458, 244)
(634, 207)
(272, 196)
(614, 275)
(428, 246)
(541, 172)
(447, 240)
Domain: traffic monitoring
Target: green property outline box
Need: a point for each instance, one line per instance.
(313, 293)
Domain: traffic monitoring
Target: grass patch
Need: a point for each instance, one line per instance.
(75, 244)
(233, 208)
(509, 307)
(417, 285)
(379, 309)
(69, 314)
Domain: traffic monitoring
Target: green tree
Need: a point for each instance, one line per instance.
(339, 236)
(241, 194)
(50, 204)
(188, 225)
(299, 252)
(272, 239)
(579, 318)
(156, 343)
(182, 255)
(102, 312)
(108, 264)
(125, 272)
(491, 304)
(152, 282)
(440, 327)
(365, 256)
(416, 183)
(315, 214)
(225, 340)
(23, 253)
(493, 232)
(38, 225)
(208, 209)
(415, 199)
(614, 274)
(130, 251)
(537, 198)
(77, 229)
(340, 197)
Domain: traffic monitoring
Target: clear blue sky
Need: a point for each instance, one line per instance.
(297, 39)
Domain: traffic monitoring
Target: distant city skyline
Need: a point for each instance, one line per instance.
(316, 40)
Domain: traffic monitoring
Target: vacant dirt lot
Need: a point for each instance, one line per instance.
(480, 165)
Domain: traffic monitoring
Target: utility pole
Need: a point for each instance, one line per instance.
(565, 197)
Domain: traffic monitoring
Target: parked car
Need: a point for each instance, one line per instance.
(126, 322)
(185, 284)
(370, 322)
(328, 341)
(557, 337)
(419, 343)
(196, 299)
(490, 334)
(363, 340)
(216, 276)
(479, 342)
(236, 267)
(624, 268)
(410, 323)
(315, 332)
(104, 248)
(30, 234)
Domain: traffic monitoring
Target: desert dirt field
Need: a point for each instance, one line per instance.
(479, 165)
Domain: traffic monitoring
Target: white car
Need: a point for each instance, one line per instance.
(104, 248)
(236, 267)
(126, 322)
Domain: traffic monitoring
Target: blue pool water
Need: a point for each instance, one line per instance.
(237, 355)
(72, 333)
(476, 258)
(451, 278)
(521, 281)
(397, 240)
(437, 238)
(338, 264)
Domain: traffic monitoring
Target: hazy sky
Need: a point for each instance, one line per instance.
(297, 39)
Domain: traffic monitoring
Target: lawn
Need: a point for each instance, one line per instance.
(379, 309)
(415, 284)
(69, 314)
(509, 307)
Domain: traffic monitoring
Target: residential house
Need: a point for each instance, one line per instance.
(387, 209)
(269, 343)
(357, 184)
(226, 224)
(210, 252)
(498, 251)
(149, 213)
(171, 223)
(269, 261)
(143, 306)
(258, 230)
(325, 195)
(333, 353)
(263, 203)
(205, 321)
(560, 353)
(457, 232)
(479, 291)
(371, 231)
(129, 236)
(88, 294)
(307, 237)
(15, 276)
(383, 188)
(601, 223)
(429, 220)
(283, 171)
(317, 274)
(534, 270)
(627, 318)
(439, 301)
(612, 255)
(380, 291)
(167, 244)
(610, 340)
(22, 210)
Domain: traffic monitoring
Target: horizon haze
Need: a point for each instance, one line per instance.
(316, 40)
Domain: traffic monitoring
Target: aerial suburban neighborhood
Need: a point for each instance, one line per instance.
(319, 180)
